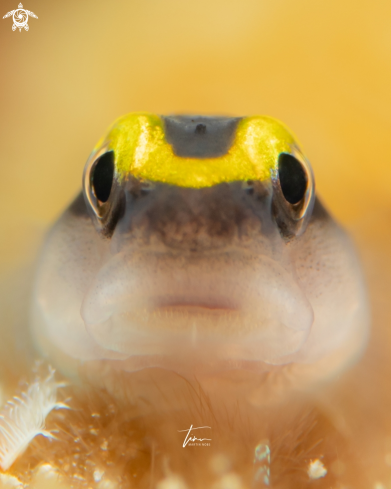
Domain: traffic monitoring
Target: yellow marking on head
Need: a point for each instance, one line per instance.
(141, 150)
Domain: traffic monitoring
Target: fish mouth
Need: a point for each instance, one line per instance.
(195, 316)
(192, 312)
(206, 306)
(227, 309)
(196, 300)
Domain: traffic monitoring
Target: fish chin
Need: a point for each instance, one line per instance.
(250, 307)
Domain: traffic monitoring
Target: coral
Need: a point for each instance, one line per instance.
(23, 418)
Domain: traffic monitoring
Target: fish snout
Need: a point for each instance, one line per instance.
(194, 219)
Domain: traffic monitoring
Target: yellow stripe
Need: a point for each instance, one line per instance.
(141, 150)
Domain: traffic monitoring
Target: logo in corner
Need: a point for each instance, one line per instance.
(20, 17)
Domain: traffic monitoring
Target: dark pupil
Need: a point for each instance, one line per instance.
(293, 179)
(102, 177)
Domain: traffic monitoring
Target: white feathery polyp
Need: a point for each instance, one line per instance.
(23, 418)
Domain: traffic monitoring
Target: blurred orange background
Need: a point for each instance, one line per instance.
(323, 68)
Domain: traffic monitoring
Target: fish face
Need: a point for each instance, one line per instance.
(199, 245)
(191, 270)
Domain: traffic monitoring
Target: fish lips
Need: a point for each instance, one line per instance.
(151, 308)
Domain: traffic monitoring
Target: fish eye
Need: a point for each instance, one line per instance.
(102, 176)
(293, 179)
(293, 193)
(99, 182)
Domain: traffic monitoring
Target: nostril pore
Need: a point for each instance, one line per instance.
(200, 129)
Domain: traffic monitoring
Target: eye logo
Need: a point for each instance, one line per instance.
(20, 17)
